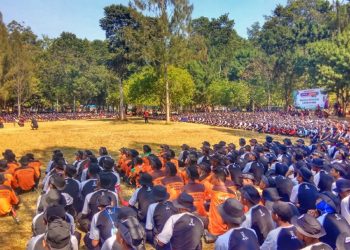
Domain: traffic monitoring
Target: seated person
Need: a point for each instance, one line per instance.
(24, 177)
(52, 199)
(57, 235)
(130, 233)
(8, 198)
(102, 224)
(237, 237)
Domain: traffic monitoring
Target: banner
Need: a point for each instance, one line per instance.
(310, 99)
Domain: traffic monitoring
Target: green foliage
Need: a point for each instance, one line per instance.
(160, 57)
(330, 63)
(229, 94)
(147, 88)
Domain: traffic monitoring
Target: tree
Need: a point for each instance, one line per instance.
(146, 87)
(19, 78)
(117, 19)
(228, 94)
(259, 76)
(330, 61)
(285, 35)
(162, 38)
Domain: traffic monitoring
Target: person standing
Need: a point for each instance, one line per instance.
(146, 116)
(34, 124)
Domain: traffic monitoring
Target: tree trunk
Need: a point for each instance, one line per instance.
(74, 108)
(18, 105)
(167, 98)
(57, 104)
(121, 101)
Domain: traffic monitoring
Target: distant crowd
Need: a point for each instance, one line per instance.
(254, 195)
(301, 124)
(55, 116)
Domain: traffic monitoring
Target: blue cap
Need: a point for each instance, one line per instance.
(317, 162)
(342, 185)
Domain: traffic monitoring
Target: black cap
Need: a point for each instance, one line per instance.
(108, 163)
(3, 165)
(94, 169)
(326, 182)
(283, 148)
(58, 235)
(269, 139)
(317, 162)
(305, 173)
(165, 146)
(287, 141)
(105, 180)
(231, 211)
(24, 160)
(160, 193)
(88, 152)
(284, 210)
(185, 201)
(251, 194)
(308, 226)
(342, 185)
(79, 153)
(300, 141)
(253, 140)
(339, 167)
(132, 232)
(53, 197)
(103, 151)
(58, 181)
(54, 212)
(146, 179)
(281, 169)
(270, 194)
(192, 172)
(70, 170)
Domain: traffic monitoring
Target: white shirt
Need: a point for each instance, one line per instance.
(33, 241)
(270, 242)
(222, 242)
(344, 208)
(150, 219)
(133, 199)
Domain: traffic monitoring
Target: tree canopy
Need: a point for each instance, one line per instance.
(155, 54)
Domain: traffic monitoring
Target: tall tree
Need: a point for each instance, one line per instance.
(20, 78)
(162, 39)
(330, 63)
(285, 34)
(117, 19)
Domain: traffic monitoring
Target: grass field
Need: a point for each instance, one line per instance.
(70, 136)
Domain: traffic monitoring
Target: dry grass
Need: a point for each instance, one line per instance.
(69, 136)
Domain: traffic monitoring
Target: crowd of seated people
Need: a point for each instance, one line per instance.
(278, 123)
(255, 195)
(54, 116)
